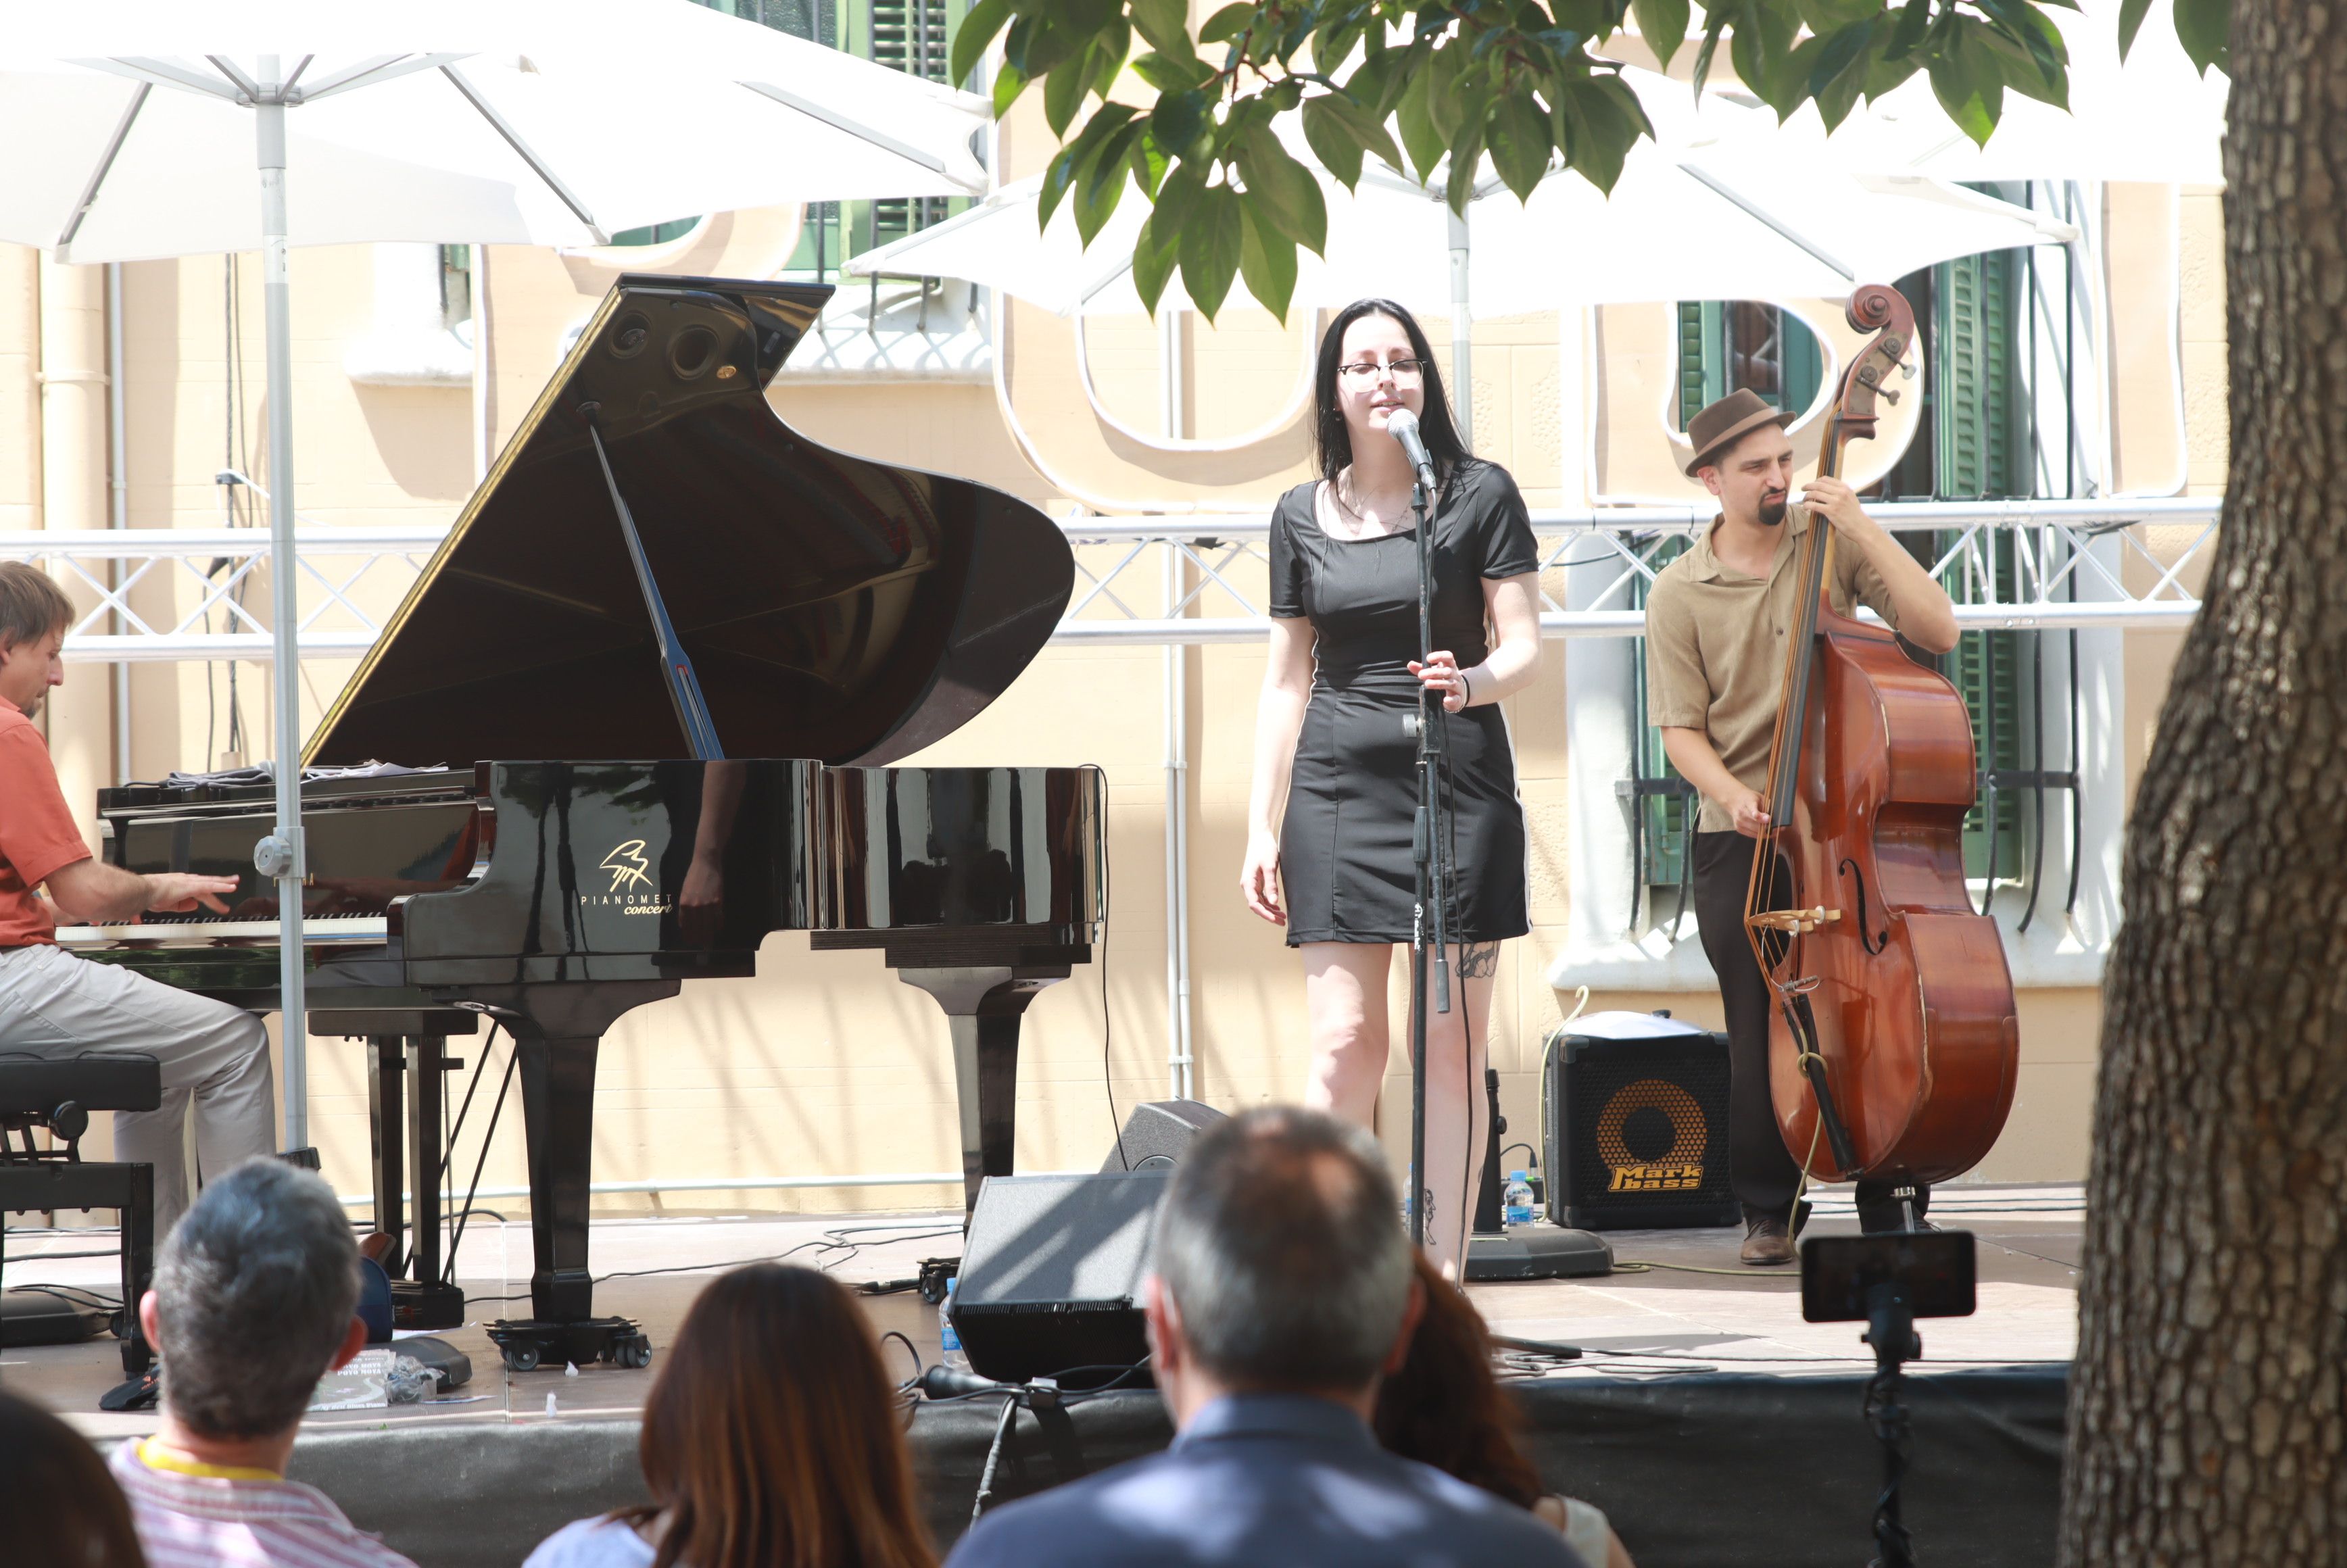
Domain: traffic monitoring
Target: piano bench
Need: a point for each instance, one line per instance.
(58, 1097)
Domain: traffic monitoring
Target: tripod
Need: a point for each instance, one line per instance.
(1890, 1330)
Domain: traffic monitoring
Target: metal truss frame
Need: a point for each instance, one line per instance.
(2054, 576)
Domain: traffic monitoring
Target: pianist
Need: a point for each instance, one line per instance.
(215, 1056)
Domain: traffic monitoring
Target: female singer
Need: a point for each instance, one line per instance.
(1335, 790)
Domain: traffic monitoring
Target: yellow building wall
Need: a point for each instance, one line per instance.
(825, 1065)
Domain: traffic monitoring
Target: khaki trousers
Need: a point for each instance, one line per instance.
(215, 1061)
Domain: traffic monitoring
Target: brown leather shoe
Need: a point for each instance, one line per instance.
(1766, 1241)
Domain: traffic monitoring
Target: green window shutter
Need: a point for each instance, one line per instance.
(1702, 357)
(1979, 433)
(1665, 820)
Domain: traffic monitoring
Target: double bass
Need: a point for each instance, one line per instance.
(1892, 1039)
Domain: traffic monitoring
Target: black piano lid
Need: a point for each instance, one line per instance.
(835, 608)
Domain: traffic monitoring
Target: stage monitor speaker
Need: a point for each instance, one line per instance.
(1634, 1112)
(1158, 1133)
(1051, 1275)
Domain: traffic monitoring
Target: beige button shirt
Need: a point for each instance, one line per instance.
(1715, 647)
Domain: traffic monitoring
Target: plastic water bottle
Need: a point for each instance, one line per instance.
(949, 1350)
(1516, 1204)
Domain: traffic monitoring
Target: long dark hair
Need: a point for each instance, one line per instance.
(771, 1438)
(61, 1505)
(1434, 423)
(1444, 1408)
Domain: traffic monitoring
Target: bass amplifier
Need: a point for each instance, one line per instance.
(1633, 1124)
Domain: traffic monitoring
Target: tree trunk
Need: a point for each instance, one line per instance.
(2205, 1420)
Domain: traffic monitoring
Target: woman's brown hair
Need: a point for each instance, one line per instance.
(62, 1507)
(1444, 1408)
(771, 1438)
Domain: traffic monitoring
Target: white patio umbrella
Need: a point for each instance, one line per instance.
(157, 127)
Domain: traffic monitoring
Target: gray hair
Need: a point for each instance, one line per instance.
(1280, 1243)
(255, 1290)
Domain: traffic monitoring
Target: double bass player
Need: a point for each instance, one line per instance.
(1717, 620)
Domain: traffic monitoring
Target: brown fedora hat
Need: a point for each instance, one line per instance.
(1723, 423)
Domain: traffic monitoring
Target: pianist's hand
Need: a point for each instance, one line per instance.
(1259, 878)
(177, 892)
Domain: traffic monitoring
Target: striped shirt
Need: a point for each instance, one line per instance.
(242, 1520)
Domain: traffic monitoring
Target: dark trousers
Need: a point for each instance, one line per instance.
(1764, 1174)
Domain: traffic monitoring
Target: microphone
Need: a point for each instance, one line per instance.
(1402, 426)
(942, 1382)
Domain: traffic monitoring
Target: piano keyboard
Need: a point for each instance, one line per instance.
(315, 928)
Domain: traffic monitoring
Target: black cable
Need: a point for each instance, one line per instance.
(910, 1349)
(513, 1060)
(1527, 1148)
(1108, 1020)
(74, 1295)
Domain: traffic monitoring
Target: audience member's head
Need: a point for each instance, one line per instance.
(61, 1507)
(1281, 1262)
(1443, 1406)
(254, 1296)
(772, 1436)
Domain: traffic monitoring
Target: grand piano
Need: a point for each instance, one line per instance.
(641, 698)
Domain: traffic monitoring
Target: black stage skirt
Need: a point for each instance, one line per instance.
(1345, 848)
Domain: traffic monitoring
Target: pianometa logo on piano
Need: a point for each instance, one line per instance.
(632, 887)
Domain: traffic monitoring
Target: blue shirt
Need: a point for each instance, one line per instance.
(1266, 1479)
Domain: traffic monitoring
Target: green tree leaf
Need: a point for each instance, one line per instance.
(1172, 73)
(1424, 143)
(1913, 18)
(1221, 27)
(1180, 122)
(1008, 83)
(1177, 197)
(1152, 260)
(1267, 262)
(1063, 91)
(1663, 23)
(1103, 179)
(979, 28)
(1332, 142)
(1211, 240)
(1466, 160)
(1520, 143)
(1166, 24)
(2205, 29)
(2131, 15)
(1281, 192)
(1973, 102)
(1715, 23)
(1071, 162)
(1354, 124)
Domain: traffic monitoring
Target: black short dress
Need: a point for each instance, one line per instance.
(1345, 846)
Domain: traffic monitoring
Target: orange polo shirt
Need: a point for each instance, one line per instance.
(37, 832)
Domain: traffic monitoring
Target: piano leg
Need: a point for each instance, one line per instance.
(557, 1105)
(984, 1005)
(427, 1061)
(386, 1057)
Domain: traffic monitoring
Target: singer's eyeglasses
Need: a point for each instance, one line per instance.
(1362, 371)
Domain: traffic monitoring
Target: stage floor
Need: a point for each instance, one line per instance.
(1693, 1309)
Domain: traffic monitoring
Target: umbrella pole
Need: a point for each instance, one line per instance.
(282, 855)
(1462, 333)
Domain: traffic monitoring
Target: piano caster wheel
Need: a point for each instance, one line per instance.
(521, 1357)
(633, 1351)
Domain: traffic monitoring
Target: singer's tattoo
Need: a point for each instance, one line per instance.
(1479, 960)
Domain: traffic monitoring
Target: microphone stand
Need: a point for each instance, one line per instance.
(1431, 849)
